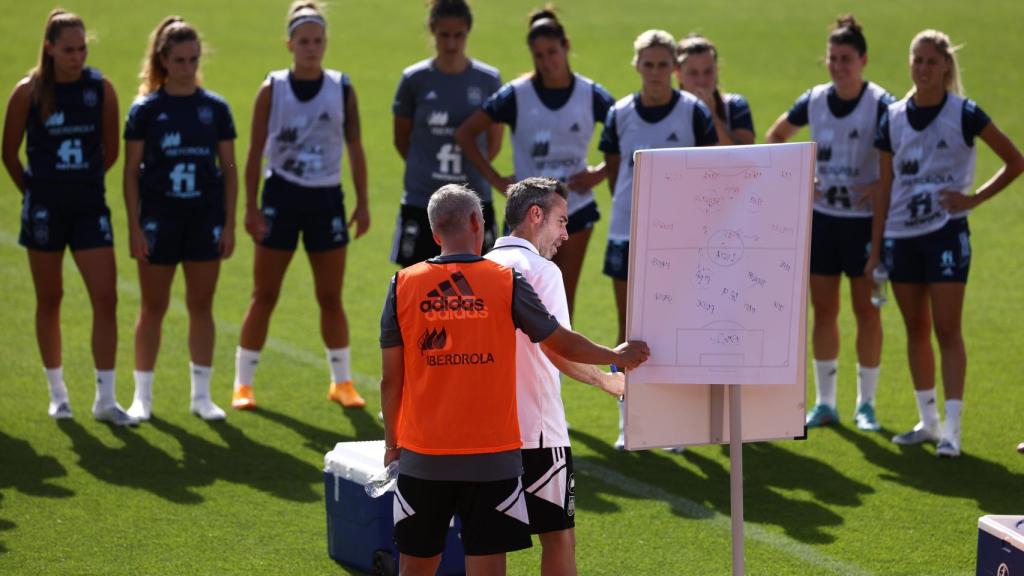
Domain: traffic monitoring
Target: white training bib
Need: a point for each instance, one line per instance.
(305, 140)
(554, 143)
(672, 131)
(847, 157)
(925, 163)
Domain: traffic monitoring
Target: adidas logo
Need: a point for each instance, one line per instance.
(431, 95)
(854, 135)
(672, 138)
(55, 119)
(434, 340)
(575, 127)
(453, 300)
(171, 140)
(942, 145)
(438, 118)
(162, 117)
(325, 117)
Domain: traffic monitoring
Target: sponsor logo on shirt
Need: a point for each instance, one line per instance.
(453, 300)
(171, 140)
(55, 119)
(541, 143)
(911, 165)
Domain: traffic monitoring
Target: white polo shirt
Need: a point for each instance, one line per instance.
(538, 386)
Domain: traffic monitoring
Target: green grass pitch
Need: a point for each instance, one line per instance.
(178, 496)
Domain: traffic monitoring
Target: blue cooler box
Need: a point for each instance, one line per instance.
(360, 529)
(1001, 546)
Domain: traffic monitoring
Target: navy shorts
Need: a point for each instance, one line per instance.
(317, 213)
(940, 256)
(179, 234)
(550, 489)
(839, 245)
(49, 223)
(413, 242)
(583, 219)
(493, 515)
(616, 259)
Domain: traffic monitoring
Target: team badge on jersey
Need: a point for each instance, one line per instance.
(205, 115)
(90, 97)
(475, 95)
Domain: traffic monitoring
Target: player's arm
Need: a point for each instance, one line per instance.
(111, 118)
(1013, 165)
(611, 168)
(226, 157)
(391, 383)
(495, 135)
(782, 130)
(402, 135)
(466, 136)
(138, 248)
(882, 199)
(357, 163)
(14, 130)
(612, 383)
(255, 225)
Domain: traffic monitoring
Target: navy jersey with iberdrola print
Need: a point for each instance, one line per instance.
(180, 135)
(68, 145)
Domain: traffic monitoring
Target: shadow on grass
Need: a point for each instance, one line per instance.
(243, 461)
(137, 464)
(29, 472)
(769, 472)
(322, 440)
(5, 525)
(991, 485)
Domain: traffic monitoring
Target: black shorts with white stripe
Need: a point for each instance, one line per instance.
(493, 515)
(550, 489)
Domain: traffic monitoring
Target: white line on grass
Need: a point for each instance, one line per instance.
(629, 484)
(694, 510)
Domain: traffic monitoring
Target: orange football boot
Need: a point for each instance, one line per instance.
(242, 398)
(344, 393)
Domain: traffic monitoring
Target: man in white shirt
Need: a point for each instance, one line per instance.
(536, 212)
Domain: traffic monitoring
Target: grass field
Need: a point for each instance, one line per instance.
(179, 496)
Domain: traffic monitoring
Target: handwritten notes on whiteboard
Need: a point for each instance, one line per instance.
(718, 263)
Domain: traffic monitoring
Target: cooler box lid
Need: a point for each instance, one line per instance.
(355, 461)
(1009, 529)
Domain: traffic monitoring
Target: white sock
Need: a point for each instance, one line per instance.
(954, 408)
(55, 380)
(867, 383)
(825, 372)
(245, 365)
(927, 407)
(338, 360)
(105, 388)
(144, 385)
(200, 381)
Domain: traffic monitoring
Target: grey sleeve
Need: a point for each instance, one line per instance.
(528, 312)
(390, 334)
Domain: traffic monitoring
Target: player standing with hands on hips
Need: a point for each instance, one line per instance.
(552, 113)
(843, 115)
(434, 96)
(537, 213)
(448, 389)
(180, 191)
(68, 112)
(301, 123)
(927, 149)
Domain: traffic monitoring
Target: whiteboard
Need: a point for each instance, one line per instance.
(718, 272)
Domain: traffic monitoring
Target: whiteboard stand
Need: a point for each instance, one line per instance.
(736, 478)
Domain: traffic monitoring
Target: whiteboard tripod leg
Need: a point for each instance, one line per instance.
(736, 478)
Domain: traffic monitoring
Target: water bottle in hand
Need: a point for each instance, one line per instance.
(382, 481)
(879, 295)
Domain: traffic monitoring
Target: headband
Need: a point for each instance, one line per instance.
(302, 19)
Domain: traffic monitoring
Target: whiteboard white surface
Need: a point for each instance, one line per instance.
(708, 291)
(717, 286)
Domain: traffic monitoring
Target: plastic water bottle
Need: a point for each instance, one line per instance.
(879, 292)
(381, 482)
